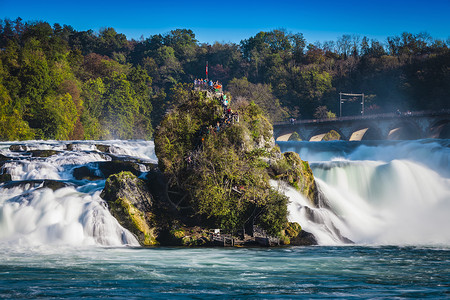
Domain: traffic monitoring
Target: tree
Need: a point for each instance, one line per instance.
(344, 45)
(12, 126)
(298, 43)
(109, 42)
(183, 42)
(218, 175)
(261, 94)
(120, 107)
(322, 112)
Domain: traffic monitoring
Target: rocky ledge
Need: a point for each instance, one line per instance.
(153, 221)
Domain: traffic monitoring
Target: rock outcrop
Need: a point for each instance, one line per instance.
(130, 202)
(291, 169)
(214, 172)
(104, 169)
(304, 238)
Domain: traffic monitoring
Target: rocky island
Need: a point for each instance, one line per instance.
(212, 185)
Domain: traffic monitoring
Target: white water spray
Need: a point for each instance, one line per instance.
(392, 202)
(41, 216)
(393, 193)
(33, 215)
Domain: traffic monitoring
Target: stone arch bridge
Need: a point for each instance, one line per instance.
(407, 126)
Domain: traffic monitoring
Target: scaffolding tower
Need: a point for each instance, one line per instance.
(350, 97)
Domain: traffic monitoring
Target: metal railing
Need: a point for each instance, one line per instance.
(368, 117)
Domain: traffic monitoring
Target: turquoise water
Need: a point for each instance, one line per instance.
(391, 198)
(292, 272)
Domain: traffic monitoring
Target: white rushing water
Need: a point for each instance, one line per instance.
(32, 214)
(389, 194)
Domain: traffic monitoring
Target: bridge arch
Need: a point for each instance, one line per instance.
(286, 135)
(440, 129)
(404, 130)
(318, 134)
(365, 132)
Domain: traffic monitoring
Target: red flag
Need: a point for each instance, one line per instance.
(206, 69)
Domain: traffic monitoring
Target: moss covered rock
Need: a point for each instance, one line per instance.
(217, 164)
(293, 229)
(332, 135)
(43, 153)
(304, 238)
(130, 202)
(18, 148)
(297, 173)
(219, 169)
(190, 236)
(5, 177)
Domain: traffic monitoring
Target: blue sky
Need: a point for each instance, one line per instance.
(232, 21)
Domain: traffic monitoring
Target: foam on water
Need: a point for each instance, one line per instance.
(432, 153)
(41, 216)
(31, 214)
(387, 201)
(388, 193)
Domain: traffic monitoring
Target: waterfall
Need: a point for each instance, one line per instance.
(33, 214)
(36, 216)
(386, 193)
(389, 194)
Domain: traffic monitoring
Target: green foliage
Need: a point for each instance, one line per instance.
(293, 229)
(332, 135)
(12, 126)
(179, 132)
(221, 171)
(62, 94)
(274, 215)
(280, 71)
(261, 94)
(296, 172)
(62, 115)
(259, 126)
(323, 113)
(295, 137)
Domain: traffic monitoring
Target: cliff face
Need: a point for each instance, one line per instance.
(130, 202)
(291, 169)
(215, 167)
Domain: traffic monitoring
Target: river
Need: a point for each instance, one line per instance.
(392, 199)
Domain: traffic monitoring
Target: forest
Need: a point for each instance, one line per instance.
(60, 83)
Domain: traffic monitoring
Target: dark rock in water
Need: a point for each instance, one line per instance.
(18, 148)
(304, 239)
(85, 172)
(43, 153)
(109, 168)
(347, 240)
(44, 183)
(56, 184)
(126, 185)
(71, 147)
(103, 148)
(4, 158)
(130, 202)
(313, 216)
(5, 177)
